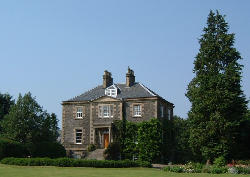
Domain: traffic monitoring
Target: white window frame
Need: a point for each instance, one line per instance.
(105, 111)
(78, 136)
(162, 111)
(79, 112)
(137, 112)
(111, 91)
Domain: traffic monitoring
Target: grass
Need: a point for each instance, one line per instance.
(20, 171)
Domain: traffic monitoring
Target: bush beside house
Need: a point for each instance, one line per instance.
(10, 148)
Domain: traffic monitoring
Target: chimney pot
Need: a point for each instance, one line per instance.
(130, 78)
(107, 79)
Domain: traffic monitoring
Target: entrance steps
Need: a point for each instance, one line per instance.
(96, 154)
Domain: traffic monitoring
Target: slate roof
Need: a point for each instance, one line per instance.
(137, 90)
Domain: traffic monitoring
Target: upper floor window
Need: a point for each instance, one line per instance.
(79, 112)
(106, 111)
(162, 111)
(111, 91)
(137, 110)
(78, 136)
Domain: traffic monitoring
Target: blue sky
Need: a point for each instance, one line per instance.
(59, 49)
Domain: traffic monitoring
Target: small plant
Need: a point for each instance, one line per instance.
(188, 168)
(243, 170)
(217, 170)
(220, 162)
(91, 147)
(232, 170)
(176, 169)
(113, 151)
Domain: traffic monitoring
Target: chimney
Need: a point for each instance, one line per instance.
(107, 79)
(130, 78)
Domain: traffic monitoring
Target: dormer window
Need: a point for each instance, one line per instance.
(111, 91)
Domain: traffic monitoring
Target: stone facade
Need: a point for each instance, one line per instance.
(95, 129)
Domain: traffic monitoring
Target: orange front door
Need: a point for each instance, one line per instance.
(106, 140)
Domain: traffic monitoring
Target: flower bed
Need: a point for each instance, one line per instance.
(214, 169)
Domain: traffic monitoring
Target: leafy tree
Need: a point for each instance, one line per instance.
(49, 129)
(26, 122)
(218, 102)
(182, 151)
(6, 102)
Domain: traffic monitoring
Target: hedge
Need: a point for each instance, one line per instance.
(67, 162)
(9, 148)
(47, 149)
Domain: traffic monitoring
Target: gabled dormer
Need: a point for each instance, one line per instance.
(111, 91)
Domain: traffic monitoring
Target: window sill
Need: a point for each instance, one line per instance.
(78, 118)
(137, 116)
(105, 117)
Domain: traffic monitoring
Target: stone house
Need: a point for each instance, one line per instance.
(87, 118)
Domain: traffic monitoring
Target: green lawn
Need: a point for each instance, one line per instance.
(19, 171)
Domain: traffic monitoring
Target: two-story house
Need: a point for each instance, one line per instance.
(87, 118)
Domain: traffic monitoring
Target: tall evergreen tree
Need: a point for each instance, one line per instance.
(6, 102)
(218, 102)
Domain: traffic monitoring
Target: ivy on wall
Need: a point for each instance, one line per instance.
(150, 140)
(146, 140)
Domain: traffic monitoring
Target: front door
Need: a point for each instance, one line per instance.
(106, 140)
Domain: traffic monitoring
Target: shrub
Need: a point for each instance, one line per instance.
(113, 151)
(9, 148)
(47, 149)
(217, 170)
(197, 167)
(167, 168)
(176, 169)
(143, 164)
(192, 167)
(67, 162)
(243, 170)
(220, 162)
(91, 147)
(232, 170)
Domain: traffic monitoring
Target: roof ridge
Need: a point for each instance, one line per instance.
(148, 90)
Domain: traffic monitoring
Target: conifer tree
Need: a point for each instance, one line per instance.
(218, 102)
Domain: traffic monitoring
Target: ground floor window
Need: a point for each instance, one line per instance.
(78, 136)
